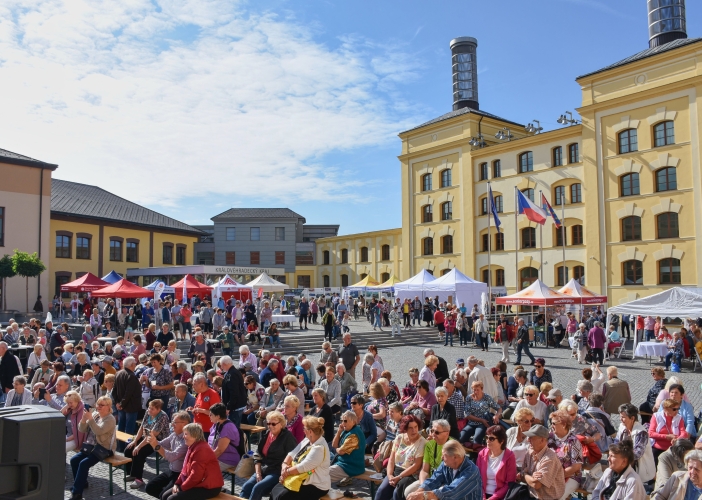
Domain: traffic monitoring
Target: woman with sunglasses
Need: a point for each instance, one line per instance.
(350, 445)
(497, 464)
(666, 428)
(631, 429)
(291, 385)
(539, 374)
(531, 401)
(676, 392)
(277, 441)
(565, 443)
(517, 441)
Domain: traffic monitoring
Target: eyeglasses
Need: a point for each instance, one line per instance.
(433, 431)
(675, 409)
(103, 404)
(529, 394)
(272, 424)
(353, 403)
(344, 421)
(538, 366)
(491, 438)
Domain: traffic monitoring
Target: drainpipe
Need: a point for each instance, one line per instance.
(41, 213)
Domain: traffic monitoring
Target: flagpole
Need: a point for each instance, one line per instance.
(489, 283)
(516, 242)
(563, 238)
(541, 242)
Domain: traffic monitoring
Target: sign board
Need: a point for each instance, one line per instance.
(238, 270)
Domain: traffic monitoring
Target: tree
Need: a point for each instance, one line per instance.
(6, 271)
(28, 266)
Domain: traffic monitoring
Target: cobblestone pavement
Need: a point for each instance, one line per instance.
(564, 369)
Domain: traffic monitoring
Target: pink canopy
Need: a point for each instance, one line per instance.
(536, 294)
(581, 294)
(123, 289)
(86, 283)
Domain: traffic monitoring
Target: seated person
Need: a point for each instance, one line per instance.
(350, 445)
(155, 421)
(614, 339)
(365, 421)
(684, 484)
(223, 438)
(173, 449)
(542, 470)
(406, 459)
(619, 479)
(439, 436)
(670, 461)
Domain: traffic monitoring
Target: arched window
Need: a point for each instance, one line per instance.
(446, 178)
(559, 195)
(483, 171)
(633, 272)
(631, 228)
(628, 141)
(669, 272)
(576, 235)
(664, 134)
(499, 277)
(426, 182)
(496, 169)
(344, 280)
(526, 162)
(325, 257)
(447, 210)
(363, 276)
(562, 277)
(344, 256)
(528, 237)
(629, 184)
(483, 206)
(447, 244)
(576, 195)
(485, 242)
(527, 276)
(427, 215)
(498, 203)
(445, 271)
(384, 277)
(579, 274)
(557, 156)
(364, 254)
(428, 246)
(326, 281)
(499, 241)
(486, 276)
(666, 179)
(667, 225)
(573, 153)
(385, 252)
(430, 271)
(529, 193)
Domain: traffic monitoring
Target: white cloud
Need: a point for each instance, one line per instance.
(107, 90)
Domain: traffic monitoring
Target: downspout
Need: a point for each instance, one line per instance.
(41, 213)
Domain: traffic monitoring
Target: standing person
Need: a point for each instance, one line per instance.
(523, 342)
(625, 326)
(439, 319)
(127, 396)
(304, 311)
(504, 334)
(482, 332)
(349, 355)
(9, 369)
(328, 321)
(173, 449)
(597, 339)
(233, 390)
(406, 311)
(395, 321)
(449, 328)
(417, 311)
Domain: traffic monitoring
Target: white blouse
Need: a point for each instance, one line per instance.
(493, 465)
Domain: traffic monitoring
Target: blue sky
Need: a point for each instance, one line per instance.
(191, 107)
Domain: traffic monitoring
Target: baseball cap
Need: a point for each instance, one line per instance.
(107, 358)
(537, 431)
(460, 361)
(554, 393)
(247, 365)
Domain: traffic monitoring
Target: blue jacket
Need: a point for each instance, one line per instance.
(147, 316)
(174, 407)
(266, 375)
(370, 431)
(466, 485)
(304, 308)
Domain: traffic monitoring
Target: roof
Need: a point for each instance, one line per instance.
(81, 200)
(18, 159)
(650, 52)
(459, 112)
(259, 213)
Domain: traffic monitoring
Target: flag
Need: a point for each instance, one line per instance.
(526, 206)
(493, 209)
(260, 293)
(185, 289)
(549, 210)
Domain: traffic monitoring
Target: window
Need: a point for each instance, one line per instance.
(447, 210)
(255, 234)
(364, 254)
(529, 193)
(528, 237)
(559, 195)
(426, 213)
(385, 253)
(633, 272)
(344, 280)
(559, 236)
(230, 258)
(325, 258)
(280, 258)
(557, 156)
(527, 276)
(573, 155)
(426, 182)
(576, 235)
(483, 171)
(669, 272)
(82, 247)
(279, 234)
(666, 179)
(629, 184)
(446, 178)
(255, 258)
(231, 233)
(562, 277)
(304, 281)
(496, 169)
(486, 276)
(344, 256)
(62, 279)
(180, 255)
(631, 228)
(576, 195)
(664, 134)
(500, 241)
(63, 246)
(363, 276)
(498, 204)
(167, 253)
(304, 258)
(628, 141)
(116, 250)
(667, 224)
(447, 244)
(526, 162)
(484, 243)
(483, 206)
(428, 246)
(444, 271)
(384, 277)
(326, 281)
(2, 226)
(499, 277)
(579, 274)
(132, 251)
(430, 271)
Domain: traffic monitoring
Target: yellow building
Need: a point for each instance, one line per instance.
(94, 231)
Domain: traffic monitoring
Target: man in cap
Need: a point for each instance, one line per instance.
(460, 365)
(542, 470)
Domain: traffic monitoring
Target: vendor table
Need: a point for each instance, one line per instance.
(651, 349)
(284, 318)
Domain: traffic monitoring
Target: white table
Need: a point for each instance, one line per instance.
(651, 349)
(284, 318)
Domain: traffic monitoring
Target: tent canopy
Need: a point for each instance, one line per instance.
(456, 284)
(365, 284)
(414, 287)
(387, 286)
(536, 294)
(166, 290)
(123, 289)
(267, 284)
(112, 277)
(228, 284)
(673, 303)
(192, 286)
(86, 283)
(581, 294)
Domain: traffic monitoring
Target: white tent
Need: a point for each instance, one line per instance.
(168, 290)
(459, 286)
(227, 284)
(415, 286)
(267, 283)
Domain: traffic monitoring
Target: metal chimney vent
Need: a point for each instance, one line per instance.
(666, 21)
(465, 72)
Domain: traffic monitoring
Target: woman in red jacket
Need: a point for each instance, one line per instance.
(497, 464)
(200, 478)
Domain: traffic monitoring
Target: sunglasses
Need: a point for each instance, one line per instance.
(530, 394)
(353, 403)
(538, 366)
(432, 431)
(675, 409)
(491, 438)
(272, 424)
(345, 421)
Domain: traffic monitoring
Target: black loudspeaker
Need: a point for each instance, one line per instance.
(32, 453)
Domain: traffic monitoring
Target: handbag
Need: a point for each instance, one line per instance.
(245, 469)
(97, 450)
(293, 483)
(591, 452)
(517, 491)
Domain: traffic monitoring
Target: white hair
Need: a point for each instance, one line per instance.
(265, 353)
(182, 364)
(243, 349)
(199, 377)
(227, 360)
(129, 362)
(428, 352)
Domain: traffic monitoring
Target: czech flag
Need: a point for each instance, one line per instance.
(549, 210)
(533, 213)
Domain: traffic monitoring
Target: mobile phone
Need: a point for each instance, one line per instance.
(42, 393)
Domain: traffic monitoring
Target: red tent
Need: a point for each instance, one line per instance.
(581, 294)
(192, 287)
(536, 294)
(86, 283)
(123, 289)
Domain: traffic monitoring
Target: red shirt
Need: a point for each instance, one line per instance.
(205, 400)
(438, 317)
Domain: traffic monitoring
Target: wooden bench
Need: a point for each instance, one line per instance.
(117, 461)
(127, 438)
(224, 496)
(373, 482)
(247, 430)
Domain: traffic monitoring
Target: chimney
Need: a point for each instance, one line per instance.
(465, 72)
(666, 21)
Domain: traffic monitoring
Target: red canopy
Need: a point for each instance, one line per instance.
(536, 294)
(192, 286)
(123, 289)
(86, 283)
(581, 294)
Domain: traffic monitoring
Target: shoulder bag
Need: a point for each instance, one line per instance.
(293, 483)
(97, 450)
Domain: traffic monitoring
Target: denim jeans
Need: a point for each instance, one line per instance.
(378, 322)
(257, 490)
(669, 356)
(126, 422)
(650, 335)
(80, 465)
(523, 346)
(235, 416)
(448, 338)
(417, 316)
(475, 431)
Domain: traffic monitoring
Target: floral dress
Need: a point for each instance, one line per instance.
(480, 409)
(569, 451)
(374, 408)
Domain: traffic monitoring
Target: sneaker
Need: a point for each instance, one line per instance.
(137, 484)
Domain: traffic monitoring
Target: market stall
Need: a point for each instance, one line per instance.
(189, 286)
(582, 295)
(266, 284)
(457, 286)
(228, 287)
(123, 289)
(112, 277)
(415, 286)
(387, 286)
(86, 283)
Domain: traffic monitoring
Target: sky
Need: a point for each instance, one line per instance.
(190, 107)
